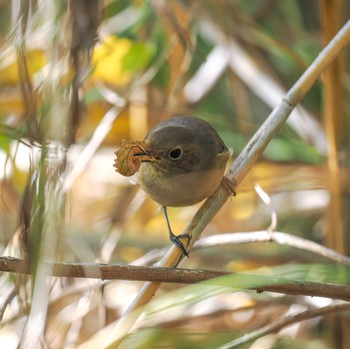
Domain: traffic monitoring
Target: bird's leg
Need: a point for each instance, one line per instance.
(229, 185)
(173, 238)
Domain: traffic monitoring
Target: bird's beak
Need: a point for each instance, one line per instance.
(146, 155)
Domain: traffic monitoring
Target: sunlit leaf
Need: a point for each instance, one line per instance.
(108, 58)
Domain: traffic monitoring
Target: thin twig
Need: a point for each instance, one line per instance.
(280, 238)
(7, 301)
(276, 236)
(283, 322)
(90, 149)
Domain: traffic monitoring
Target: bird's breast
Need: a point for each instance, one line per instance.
(179, 190)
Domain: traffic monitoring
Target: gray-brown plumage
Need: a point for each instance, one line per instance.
(183, 162)
(189, 161)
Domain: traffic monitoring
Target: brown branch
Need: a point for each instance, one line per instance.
(181, 275)
(114, 272)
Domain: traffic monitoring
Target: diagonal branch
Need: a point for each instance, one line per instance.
(237, 172)
(285, 321)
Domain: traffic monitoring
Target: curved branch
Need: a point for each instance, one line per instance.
(274, 236)
(236, 238)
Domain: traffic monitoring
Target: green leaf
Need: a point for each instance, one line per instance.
(138, 57)
(5, 142)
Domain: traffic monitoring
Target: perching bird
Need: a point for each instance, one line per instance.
(180, 162)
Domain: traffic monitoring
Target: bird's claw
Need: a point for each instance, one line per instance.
(229, 185)
(177, 242)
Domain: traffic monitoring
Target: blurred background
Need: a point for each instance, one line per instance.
(78, 77)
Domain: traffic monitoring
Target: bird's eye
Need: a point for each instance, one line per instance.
(175, 153)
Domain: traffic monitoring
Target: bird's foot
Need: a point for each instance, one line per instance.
(229, 185)
(177, 242)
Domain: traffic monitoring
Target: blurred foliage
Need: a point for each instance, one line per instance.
(66, 107)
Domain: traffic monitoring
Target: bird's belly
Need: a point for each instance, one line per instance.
(183, 189)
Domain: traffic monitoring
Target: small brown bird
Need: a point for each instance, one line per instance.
(180, 162)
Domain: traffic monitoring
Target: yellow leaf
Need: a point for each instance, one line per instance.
(9, 74)
(107, 60)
